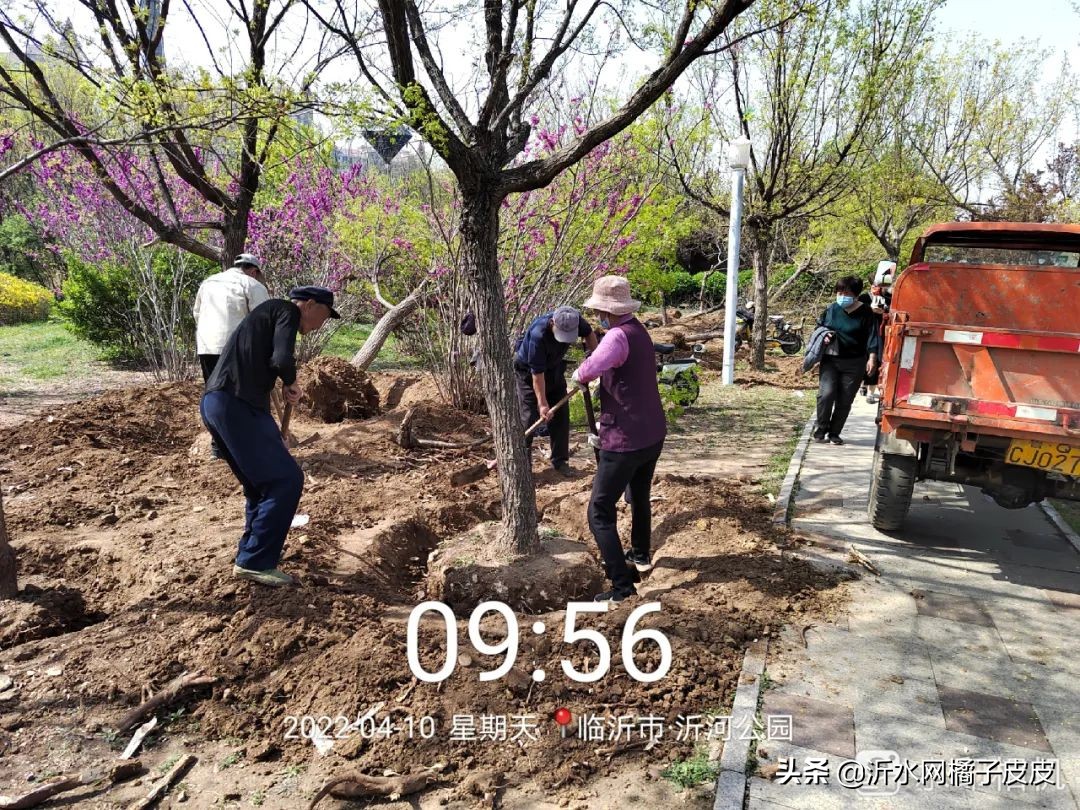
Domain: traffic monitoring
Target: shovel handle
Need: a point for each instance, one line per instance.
(590, 415)
(535, 426)
(285, 419)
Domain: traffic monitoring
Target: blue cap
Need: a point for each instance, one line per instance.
(320, 295)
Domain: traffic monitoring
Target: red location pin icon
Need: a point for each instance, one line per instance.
(563, 718)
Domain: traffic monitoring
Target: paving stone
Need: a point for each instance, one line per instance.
(915, 742)
(1062, 726)
(954, 608)
(816, 724)
(990, 673)
(997, 718)
(959, 637)
(901, 697)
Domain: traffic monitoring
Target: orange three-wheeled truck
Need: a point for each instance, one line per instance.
(981, 367)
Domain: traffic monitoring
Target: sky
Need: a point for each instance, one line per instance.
(1055, 23)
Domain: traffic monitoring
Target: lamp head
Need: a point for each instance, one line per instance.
(739, 153)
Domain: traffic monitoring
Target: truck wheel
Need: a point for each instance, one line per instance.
(890, 490)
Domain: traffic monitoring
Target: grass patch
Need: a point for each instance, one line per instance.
(776, 470)
(45, 350)
(230, 760)
(689, 773)
(349, 337)
(1069, 511)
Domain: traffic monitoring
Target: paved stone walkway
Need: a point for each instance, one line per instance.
(965, 649)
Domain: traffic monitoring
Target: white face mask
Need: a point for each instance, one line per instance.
(845, 300)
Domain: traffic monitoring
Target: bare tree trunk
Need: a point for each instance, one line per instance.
(663, 309)
(480, 234)
(761, 237)
(9, 585)
(701, 295)
(391, 320)
(803, 267)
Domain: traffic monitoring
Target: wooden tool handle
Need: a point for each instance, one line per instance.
(285, 419)
(535, 426)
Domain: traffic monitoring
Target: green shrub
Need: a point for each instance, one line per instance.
(715, 285)
(22, 301)
(23, 253)
(683, 288)
(99, 304)
(132, 310)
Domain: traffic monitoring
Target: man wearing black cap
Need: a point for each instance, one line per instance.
(236, 411)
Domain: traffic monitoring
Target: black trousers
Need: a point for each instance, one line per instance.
(618, 473)
(558, 429)
(841, 378)
(208, 362)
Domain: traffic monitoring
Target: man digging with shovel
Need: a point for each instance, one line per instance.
(540, 367)
(236, 411)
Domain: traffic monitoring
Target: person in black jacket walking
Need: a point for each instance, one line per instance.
(850, 355)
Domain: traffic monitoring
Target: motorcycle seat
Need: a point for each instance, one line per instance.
(664, 348)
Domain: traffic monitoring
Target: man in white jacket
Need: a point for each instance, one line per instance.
(223, 300)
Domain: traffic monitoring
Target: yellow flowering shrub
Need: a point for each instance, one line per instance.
(22, 301)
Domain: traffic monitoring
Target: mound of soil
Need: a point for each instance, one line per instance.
(468, 569)
(334, 390)
(154, 419)
(780, 372)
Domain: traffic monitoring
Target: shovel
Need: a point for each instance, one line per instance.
(590, 417)
(477, 471)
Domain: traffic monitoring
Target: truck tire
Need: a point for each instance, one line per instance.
(890, 490)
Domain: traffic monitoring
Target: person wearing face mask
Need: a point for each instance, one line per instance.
(236, 411)
(632, 432)
(849, 357)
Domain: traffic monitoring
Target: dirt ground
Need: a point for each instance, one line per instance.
(125, 532)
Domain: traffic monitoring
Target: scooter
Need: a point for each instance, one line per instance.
(679, 376)
(785, 336)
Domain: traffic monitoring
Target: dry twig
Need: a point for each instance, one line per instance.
(42, 793)
(161, 788)
(165, 695)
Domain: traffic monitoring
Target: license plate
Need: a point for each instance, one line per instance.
(1048, 456)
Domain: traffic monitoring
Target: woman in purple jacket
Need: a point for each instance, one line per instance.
(632, 431)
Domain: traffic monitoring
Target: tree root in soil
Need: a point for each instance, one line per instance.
(41, 794)
(361, 786)
(410, 441)
(165, 695)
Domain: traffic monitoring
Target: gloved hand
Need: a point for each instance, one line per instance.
(594, 441)
(576, 379)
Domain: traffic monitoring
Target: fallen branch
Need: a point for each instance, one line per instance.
(360, 786)
(856, 556)
(615, 750)
(167, 781)
(437, 444)
(41, 794)
(702, 337)
(165, 695)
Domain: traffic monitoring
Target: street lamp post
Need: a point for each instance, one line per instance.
(739, 160)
